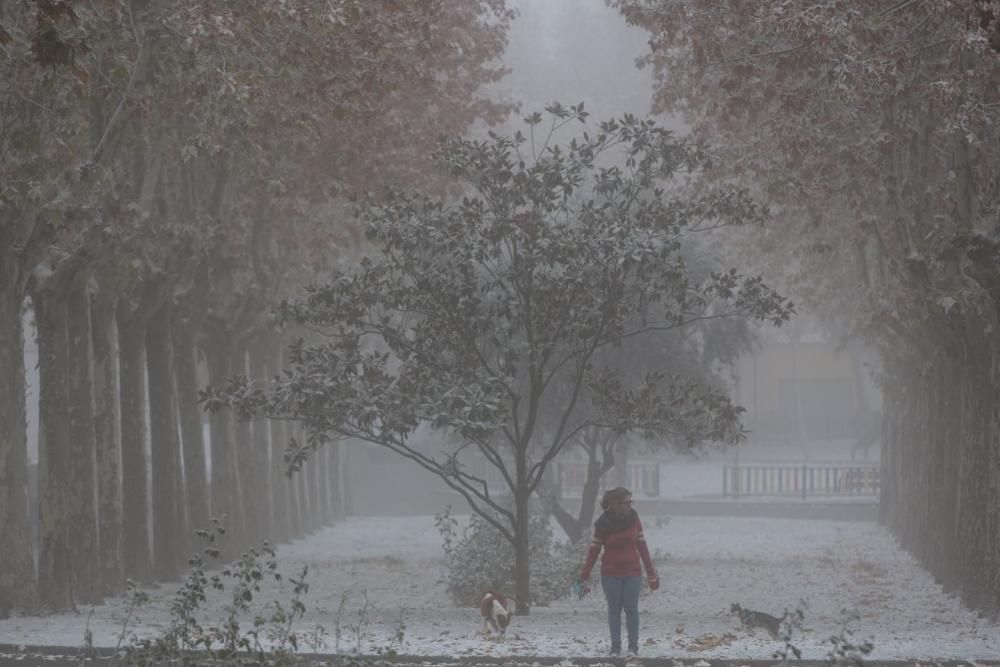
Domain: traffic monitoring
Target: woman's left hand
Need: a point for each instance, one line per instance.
(654, 582)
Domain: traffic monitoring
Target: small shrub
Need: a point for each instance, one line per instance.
(482, 559)
(229, 641)
(844, 651)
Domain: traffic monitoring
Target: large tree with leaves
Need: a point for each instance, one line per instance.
(475, 305)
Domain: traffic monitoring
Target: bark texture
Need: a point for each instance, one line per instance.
(226, 504)
(81, 449)
(132, 383)
(54, 585)
(168, 540)
(17, 576)
(108, 451)
(192, 436)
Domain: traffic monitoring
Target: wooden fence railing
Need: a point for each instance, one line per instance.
(803, 480)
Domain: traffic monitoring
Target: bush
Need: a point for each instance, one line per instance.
(269, 639)
(482, 559)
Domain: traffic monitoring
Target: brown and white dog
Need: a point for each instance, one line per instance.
(497, 610)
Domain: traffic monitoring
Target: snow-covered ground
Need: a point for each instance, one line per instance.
(396, 564)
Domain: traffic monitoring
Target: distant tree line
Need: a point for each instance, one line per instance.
(168, 170)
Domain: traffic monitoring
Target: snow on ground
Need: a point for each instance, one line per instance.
(705, 565)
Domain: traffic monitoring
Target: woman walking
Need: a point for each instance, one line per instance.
(618, 532)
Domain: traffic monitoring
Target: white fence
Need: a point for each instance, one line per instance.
(804, 480)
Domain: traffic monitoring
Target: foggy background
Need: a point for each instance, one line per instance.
(866, 479)
(802, 391)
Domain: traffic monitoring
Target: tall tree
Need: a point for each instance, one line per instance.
(156, 124)
(54, 551)
(167, 511)
(82, 532)
(107, 442)
(874, 130)
(475, 304)
(40, 181)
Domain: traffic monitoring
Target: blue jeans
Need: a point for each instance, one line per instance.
(622, 593)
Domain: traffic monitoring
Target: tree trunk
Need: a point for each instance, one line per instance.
(132, 387)
(164, 446)
(591, 488)
(936, 462)
(321, 500)
(17, 576)
(889, 487)
(331, 481)
(326, 505)
(192, 436)
(281, 511)
(296, 523)
(939, 463)
(550, 491)
(336, 480)
(522, 547)
(346, 491)
(54, 585)
(302, 484)
(993, 474)
(260, 448)
(949, 403)
(225, 498)
(185, 534)
(522, 554)
(80, 492)
(313, 470)
(973, 543)
(109, 494)
(305, 510)
(245, 459)
(577, 528)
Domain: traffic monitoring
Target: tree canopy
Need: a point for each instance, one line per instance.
(167, 169)
(871, 129)
(474, 306)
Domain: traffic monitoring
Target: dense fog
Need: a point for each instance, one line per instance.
(408, 304)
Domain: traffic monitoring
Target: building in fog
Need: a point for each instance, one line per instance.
(809, 397)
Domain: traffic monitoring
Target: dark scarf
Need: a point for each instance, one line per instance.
(612, 522)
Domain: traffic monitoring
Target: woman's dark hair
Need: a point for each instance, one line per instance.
(615, 495)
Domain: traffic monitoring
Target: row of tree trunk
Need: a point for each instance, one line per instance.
(941, 461)
(125, 475)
